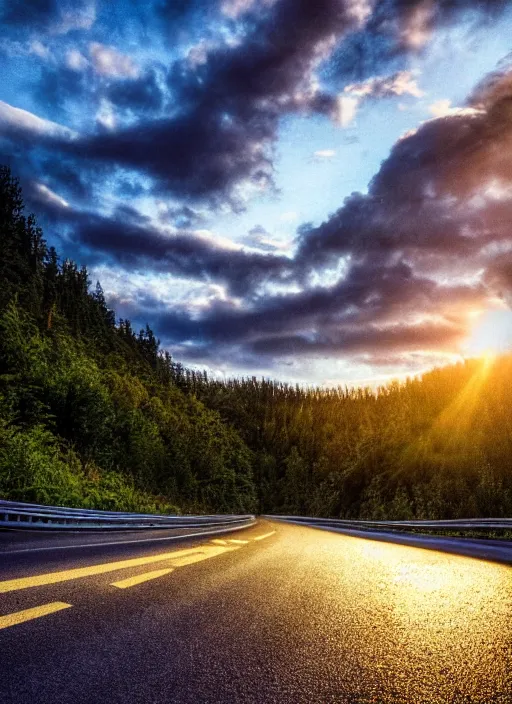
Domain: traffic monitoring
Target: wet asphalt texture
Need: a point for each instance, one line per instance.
(301, 616)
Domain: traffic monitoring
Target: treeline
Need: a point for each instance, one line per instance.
(435, 447)
(94, 414)
(89, 415)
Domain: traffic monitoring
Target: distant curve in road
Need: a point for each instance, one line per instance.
(273, 613)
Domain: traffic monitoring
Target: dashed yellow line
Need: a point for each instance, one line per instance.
(41, 580)
(179, 558)
(30, 614)
(266, 535)
(138, 579)
(207, 551)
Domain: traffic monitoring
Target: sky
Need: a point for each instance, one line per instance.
(318, 192)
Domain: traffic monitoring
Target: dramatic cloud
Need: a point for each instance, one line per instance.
(130, 239)
(379, 326)
(421, 197)
(224, 113)
(140, 134)
(408, 25)
(419, 260)
(434, 206)
(230, 104)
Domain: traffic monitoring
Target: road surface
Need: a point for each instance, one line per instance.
(273, 613)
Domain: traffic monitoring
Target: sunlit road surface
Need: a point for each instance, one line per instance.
(273, 613)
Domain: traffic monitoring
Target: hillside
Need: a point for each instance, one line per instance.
(89, 415)
(94, 414)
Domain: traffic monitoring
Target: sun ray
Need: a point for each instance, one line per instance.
(459, 415)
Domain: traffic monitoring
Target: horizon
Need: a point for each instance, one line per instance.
(317, 195)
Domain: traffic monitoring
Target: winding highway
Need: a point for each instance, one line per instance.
(272, 613)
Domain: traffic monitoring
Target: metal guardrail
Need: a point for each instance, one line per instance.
(19, 516)
(466, 524)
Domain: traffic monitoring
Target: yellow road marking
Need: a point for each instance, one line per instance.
(267, 535)
(40, 580)
(217, 541)
(239, 542)
(206, 552)
(138, 579)
(29, 614)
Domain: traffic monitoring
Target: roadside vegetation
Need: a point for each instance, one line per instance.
(89, 413)
(95, 414)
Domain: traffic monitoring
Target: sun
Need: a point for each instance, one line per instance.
(491, 335)
(489, 355)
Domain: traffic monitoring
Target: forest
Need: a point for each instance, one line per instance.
(96, 414)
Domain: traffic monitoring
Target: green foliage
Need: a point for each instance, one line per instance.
(34, 468)
(94, 414)
(433, 447)
(90, 412)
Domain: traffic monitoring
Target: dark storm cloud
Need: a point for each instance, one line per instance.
(397, 28)
(229, 104)
(423, 217)
(426, 210)
(227, 101)
(372, 300)
(191, 159)
(398, 338)
(453, 156)
(374, 227)
(226, 105)
(142, 94)
(428, 218)
(184, 254)
(129, 239)
(58, 85)
(424, 195)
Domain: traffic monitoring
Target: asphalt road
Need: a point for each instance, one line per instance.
(300, 615)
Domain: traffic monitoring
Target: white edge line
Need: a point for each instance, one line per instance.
(129, 542)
